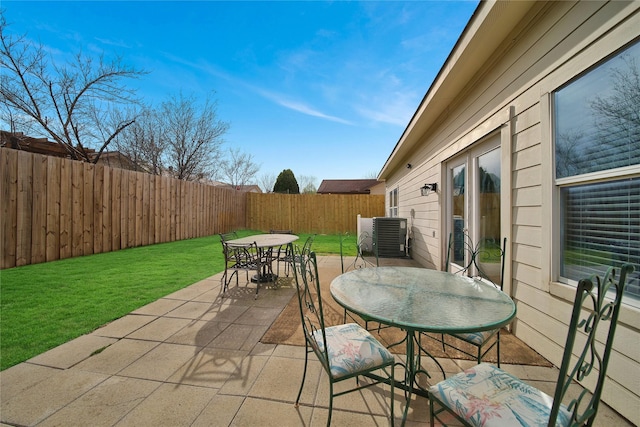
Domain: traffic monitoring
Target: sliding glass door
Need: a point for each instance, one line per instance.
(473, 201)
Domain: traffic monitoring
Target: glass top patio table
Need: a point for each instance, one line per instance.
(265, 240)
(423, 300)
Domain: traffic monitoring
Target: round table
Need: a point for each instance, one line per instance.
(266, 243)
(421, 300)
(265, 240)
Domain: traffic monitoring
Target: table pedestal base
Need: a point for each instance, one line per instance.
(412, 369)
(264, 278)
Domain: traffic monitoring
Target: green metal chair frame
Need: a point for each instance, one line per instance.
(472, 267)
(593, 297)
(359, 262)
(282, 254)
(316, 333)
(245, 258)
(296, 251)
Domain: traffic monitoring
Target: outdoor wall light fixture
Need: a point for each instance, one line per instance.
(428, 188)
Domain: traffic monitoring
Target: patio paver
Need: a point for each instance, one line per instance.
(194, 359)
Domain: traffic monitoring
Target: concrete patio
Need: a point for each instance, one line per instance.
(194, 359)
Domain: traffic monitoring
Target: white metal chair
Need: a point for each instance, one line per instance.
(488, 396)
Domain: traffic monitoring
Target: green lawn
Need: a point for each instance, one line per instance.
(45, 305)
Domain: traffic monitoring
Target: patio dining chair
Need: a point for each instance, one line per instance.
(346, 264)
(485, 395)
(297, 251)
(484, 261)
(282, 254)
(345, 351)
(361, 248)
(247, 258)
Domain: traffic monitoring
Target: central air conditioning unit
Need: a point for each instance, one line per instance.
(390, 236)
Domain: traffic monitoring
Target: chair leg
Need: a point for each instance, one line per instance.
(431, 412)
(304, 374)
(392, 393)
(330, 402)
(498, 347)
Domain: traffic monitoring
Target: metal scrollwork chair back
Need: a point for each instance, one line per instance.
(484, 261)
(489, 396)
(361, 248)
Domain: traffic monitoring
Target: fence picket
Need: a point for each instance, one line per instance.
(24, 202)
(54, 171)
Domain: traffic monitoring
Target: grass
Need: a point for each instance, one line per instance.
(45, 305)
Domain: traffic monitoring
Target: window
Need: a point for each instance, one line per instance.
(393, 203)
(597, 164)
(474, 198)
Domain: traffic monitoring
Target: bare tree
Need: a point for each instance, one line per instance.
(67, 103)
(239, 168)
(307, 183)
(568, 152)
(620, 110)
(143, 142)
(193, 137)
(267, 181)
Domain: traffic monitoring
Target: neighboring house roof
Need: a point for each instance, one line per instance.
(20, 141)
(349, 186)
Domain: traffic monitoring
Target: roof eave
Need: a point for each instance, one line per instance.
(490, 23)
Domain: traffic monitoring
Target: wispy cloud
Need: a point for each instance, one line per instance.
(395, 109)
(300, 107)
(277, 98)
(114, 43)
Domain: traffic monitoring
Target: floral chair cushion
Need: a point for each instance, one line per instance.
(477, 338)
(352, 349)
(488, 396)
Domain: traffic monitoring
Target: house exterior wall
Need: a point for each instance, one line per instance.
(509, 97)
(378, 189)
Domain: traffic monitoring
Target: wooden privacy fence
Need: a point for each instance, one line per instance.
(55, 208)
(311, 213)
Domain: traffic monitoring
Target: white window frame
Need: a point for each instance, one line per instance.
(626, 172)
(393, 203)
(470, 160)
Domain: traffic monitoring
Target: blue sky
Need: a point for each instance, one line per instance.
(322, 88)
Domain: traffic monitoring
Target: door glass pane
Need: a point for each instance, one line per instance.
(457, 197)
(488, 185)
